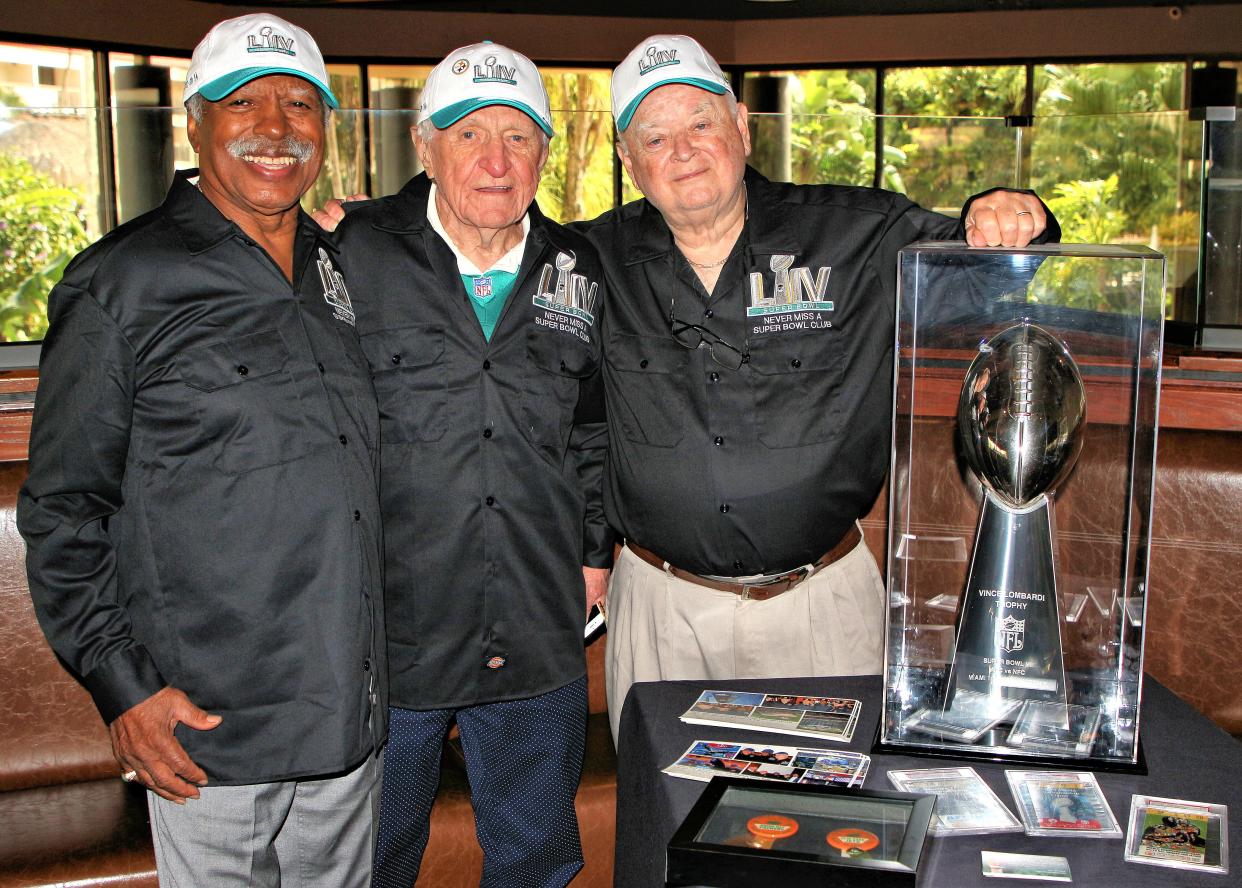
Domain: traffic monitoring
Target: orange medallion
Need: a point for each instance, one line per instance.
(853, 841)
(772, 826)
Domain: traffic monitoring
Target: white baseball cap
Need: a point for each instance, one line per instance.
(479, 75)
(238, 50)
(660, 60)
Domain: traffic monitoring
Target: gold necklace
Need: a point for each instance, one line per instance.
(716, 264)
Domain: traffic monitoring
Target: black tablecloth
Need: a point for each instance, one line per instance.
(1188, 757)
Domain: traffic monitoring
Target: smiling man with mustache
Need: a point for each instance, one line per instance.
(201, 514)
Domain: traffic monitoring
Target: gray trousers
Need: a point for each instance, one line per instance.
(316, 832)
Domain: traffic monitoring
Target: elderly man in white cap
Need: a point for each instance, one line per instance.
(748, 351)
(478, 317)
(201, 513)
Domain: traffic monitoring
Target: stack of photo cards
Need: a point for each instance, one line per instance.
(706, 759)
(1062, 803)
(825, 718)
(1177, 833)
(965, 805)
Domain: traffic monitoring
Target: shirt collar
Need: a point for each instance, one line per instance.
(767, 230)
(510, 262)
(201, 226)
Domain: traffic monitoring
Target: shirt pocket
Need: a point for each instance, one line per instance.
(246, 402)
(794, 383)
(555, 366)
(407, 366)
(650, 396)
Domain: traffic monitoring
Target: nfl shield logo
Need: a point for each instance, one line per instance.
(1012, 632)
(483, 288)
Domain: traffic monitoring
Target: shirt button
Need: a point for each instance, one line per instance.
(491, 500)
(396, 359)
(343, 440)
(643, 363)
(795, 363)
(487, 365)
(487, 433)
(714, 376)
(737, 565)
(718, 441)
(724, 508)
(357, 515)
(708, 313)
(366, 665)
(242, 370)
(321, 369)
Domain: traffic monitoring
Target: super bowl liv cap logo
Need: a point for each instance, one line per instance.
(654, 58)
(569, 304)
(492, 71)
(267, 40)
(797, 300)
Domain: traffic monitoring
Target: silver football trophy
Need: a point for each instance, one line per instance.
(1019, 416)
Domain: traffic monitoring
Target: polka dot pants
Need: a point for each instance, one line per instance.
(524, 760)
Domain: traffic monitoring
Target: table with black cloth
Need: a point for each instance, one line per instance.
(1188, 757)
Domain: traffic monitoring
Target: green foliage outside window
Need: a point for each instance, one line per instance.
(41, 229)
(577, 179)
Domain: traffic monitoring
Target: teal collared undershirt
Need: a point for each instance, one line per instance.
(488, 294)
(488, 290)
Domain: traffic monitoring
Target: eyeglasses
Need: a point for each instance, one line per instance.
(692, 336)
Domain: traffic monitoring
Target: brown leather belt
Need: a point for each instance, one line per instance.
(769, 587)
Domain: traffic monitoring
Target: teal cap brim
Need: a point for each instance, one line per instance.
(628, 114)
(222, 86)
(446, 117)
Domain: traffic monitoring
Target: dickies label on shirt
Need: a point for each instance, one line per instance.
(567, 299)
(334, 292)
(797, 300)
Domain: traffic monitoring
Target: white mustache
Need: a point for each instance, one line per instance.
(289, 146)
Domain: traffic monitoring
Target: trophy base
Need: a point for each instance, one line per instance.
(1008, 634)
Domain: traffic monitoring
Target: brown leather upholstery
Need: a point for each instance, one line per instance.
(1194, 625)
(66, 816)
(84, 833)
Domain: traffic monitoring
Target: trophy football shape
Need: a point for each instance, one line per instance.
(1020, 418)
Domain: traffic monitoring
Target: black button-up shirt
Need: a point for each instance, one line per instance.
(760, 469)
(492, 456)
(201, 509)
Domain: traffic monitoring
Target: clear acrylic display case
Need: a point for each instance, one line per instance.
(1026, 390)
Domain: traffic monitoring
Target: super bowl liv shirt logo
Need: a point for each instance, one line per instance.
(569, 305)
(268, 40)
(796, 302)
(334, 292)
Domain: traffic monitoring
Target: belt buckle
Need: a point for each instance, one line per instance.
(792, 577)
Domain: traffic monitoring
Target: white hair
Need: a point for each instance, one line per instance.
(730, 107)
(194, 107)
